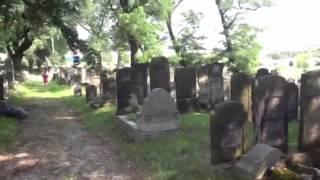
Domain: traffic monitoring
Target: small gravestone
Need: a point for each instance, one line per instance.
(226, 132)
(241, 91)
(124, 91)
(186, 91)
(271, 123)
(140, 81)
(291, 101)
(262, 72)
(309, 135)
(91, 92)
(160, 73)
(77, 90)
(254, 164)
(2, 87)
(216, 83)
(204, 87)
(94, 79)
(158, 116)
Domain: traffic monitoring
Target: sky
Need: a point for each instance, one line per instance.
(287, 25)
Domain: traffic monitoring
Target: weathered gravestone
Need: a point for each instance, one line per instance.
(226, 132)
(186, 90)
(160, 73)
(262, 72)
(91, 92)
(216, 83)
(204, 87)
(241, 91)
(271, 123)
(94, 79)
(254, 164)
(291, 101)
(309, 135)
(139, 79)
(124, 91)
(75, 77)
(158, 115)
(77, 90)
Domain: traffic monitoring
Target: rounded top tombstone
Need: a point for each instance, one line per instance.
(262, 72)
(158, 102)
(160, 62)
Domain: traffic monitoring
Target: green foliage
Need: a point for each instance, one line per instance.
(246, 49)
(302, 60)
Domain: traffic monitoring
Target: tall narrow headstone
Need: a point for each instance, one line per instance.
(124, 90)
(160, 73)
(226, 126)
(140, 81)
(272, 125)
(91, 92)
(216, 83)
(204, 87)
(2, 87)
(186, 91)
(292, 101)
(309, 135)
(241, 91)
(94, 79)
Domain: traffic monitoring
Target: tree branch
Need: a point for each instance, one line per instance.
(177, 5)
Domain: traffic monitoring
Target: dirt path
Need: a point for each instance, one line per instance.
(54, 145)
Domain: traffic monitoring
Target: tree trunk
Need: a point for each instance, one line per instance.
(175, 44)
(226, 32)
(17, 62)
(134, 47)
(99, 62)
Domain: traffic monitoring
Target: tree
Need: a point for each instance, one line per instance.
(302, 60)
(138, 23)
(23, 20)
(231, 13)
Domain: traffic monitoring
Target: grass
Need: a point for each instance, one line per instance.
(184, 155)
(8, 129)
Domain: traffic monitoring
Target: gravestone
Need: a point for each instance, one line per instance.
(254, 164)
(241, 91)
(158, 116)
(140, 81)
(204, 87)
(186, 90)
(124, 91)
(94, 79)
(291, 101)
(226, 131)
(160, 73)
(77, 90)
(91, 92)
(3, 87)
(262, 72)
(271, 123)
(216, 83)
(309, 135)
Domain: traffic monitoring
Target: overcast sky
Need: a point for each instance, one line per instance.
(288, 24)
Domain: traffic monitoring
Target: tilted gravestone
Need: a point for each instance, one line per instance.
(158, 116)
(309, 135)
(226, 132)
(292, 101)
(124, 91)
(271, 123)
(241, 91)
(216, 83)
(160, 73)
(91, 92)
(262, 72)
(140, 81)
(186, 90)
(204, 87)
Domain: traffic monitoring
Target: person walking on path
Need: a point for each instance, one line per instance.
(45, 76)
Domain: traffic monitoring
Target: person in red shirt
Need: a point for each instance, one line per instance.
(45, 76)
